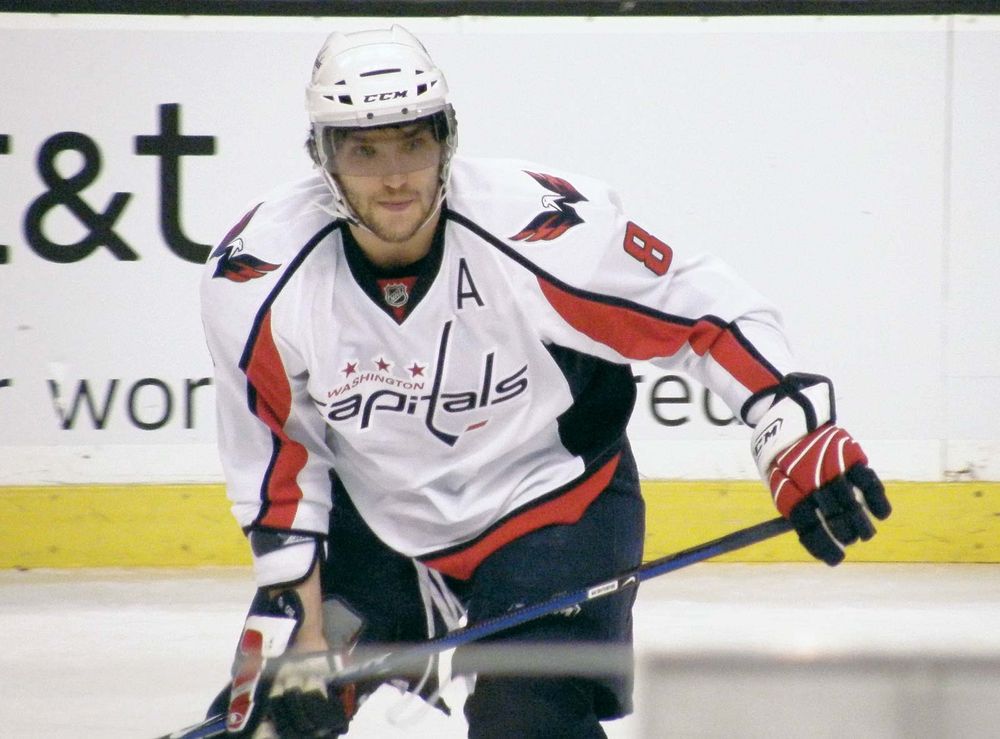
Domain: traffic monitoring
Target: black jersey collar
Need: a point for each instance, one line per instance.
(368, 275)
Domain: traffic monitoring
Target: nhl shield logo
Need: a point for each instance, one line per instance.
(395, 294)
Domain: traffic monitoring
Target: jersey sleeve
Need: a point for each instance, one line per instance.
(630, 296)
(271, 443)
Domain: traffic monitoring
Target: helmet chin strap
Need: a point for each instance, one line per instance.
(340, 208)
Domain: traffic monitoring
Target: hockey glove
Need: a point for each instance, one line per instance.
(289, 691)
(302, 703)
(818, 474)
(268, 631)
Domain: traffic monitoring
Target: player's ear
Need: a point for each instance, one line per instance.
(311, 148)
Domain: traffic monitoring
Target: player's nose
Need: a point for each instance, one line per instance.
(394, 180)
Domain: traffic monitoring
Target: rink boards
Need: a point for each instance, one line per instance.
(190, 525)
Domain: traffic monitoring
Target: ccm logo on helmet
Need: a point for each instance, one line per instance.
(385, 96)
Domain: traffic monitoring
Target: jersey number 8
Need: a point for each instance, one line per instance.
(648, 249)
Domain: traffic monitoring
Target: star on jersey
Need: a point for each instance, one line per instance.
(559, 216)
(381, 364)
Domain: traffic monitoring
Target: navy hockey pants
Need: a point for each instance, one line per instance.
(381, 586)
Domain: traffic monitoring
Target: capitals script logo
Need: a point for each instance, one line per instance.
(461, 409)
(234, 264)
(559, 215)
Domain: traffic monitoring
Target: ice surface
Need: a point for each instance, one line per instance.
(133, 654)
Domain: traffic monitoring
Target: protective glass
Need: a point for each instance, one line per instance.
(377, 152)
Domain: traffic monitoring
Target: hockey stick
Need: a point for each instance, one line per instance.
(393, 663)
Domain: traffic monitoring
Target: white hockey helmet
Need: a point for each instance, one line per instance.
(375, 78)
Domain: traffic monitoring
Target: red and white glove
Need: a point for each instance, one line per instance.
(818, 474)
(279, 693)
(267, 633)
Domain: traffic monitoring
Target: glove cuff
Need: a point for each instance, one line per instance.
(802, 403)
(283, 557)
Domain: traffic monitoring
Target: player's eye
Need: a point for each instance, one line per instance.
(416, 143)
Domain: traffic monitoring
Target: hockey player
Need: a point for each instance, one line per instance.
(422, 368)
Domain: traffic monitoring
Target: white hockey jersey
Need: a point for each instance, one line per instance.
(494, 403)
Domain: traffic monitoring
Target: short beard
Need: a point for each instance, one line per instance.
(392, 237)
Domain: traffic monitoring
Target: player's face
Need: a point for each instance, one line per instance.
(390, 177)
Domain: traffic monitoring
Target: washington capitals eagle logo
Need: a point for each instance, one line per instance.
(234, 264)
(559, 215)
(239, 267)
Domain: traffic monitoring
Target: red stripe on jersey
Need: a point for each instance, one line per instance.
(273, 403)
(640, 336)
(567, 508)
